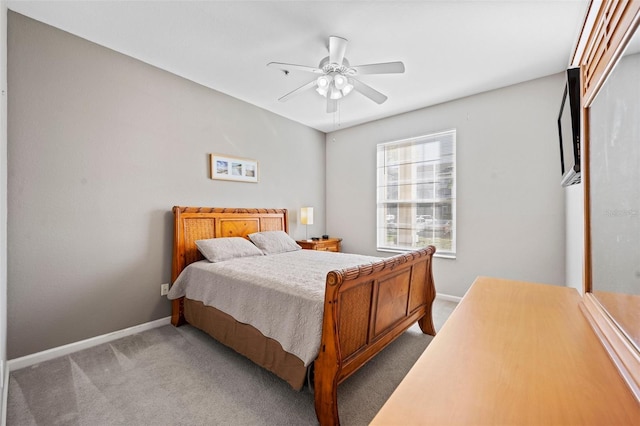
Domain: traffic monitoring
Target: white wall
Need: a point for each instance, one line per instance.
(510, 205)
(574, 213)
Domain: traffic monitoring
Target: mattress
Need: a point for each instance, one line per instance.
(281, 295)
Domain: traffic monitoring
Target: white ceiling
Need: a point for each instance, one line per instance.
(450, 49)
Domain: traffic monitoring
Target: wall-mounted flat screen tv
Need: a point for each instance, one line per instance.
(569, 129)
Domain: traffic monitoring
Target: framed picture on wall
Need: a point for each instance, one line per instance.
(224, 167)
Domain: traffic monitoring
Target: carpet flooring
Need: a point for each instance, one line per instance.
(181, 376)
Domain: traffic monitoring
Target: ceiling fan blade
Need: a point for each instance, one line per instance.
(369, 91)
(332, 105)
(337, 49)
(383, 68)
(293, 67)
(298, 90)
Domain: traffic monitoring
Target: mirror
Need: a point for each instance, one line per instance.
(614, 169)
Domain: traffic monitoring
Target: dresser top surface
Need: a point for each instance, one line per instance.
(513, 353)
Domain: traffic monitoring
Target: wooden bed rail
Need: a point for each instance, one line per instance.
(366, 308)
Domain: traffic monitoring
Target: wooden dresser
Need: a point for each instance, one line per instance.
(513, 353)
(330, 244)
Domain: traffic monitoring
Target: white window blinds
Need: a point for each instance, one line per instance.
(416, 193)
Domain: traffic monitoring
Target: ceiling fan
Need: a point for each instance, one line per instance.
(337, 78)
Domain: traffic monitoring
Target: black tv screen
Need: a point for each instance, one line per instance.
(569, 129)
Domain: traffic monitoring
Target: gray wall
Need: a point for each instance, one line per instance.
(3, 187)
(510, 205)
(100, 147)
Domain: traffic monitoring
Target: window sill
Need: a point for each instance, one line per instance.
(398, 251)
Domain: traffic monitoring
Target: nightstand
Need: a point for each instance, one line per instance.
(330, 244)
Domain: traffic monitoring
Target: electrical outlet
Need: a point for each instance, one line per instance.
(164, 289)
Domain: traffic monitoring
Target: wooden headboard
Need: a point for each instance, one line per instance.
(199, 223)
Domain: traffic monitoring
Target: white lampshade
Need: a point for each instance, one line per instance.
(306, 216)
(347, 89)
(334, 93)
(322, 84)
(323, 81)
(340, 81)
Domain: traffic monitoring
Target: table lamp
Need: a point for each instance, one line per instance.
(306, 218)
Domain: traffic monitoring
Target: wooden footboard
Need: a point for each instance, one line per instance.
(365, 309)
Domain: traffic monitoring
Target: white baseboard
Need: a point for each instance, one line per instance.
(448, 297)
(38, 357)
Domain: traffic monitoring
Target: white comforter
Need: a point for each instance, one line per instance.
(281, 295)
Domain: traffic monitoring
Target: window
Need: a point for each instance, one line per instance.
(416, 193)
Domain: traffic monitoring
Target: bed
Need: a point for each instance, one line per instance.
(363, 309)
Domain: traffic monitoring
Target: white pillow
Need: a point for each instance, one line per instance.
(219, 249)
(274, 242)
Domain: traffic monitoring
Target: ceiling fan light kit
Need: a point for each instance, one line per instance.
(337, 77)
(334, 85)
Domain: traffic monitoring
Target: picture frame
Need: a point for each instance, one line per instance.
(224, 167)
